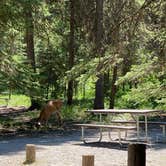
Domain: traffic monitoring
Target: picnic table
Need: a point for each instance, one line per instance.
(135, 114)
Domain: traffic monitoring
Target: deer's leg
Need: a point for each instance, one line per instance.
(59, 117)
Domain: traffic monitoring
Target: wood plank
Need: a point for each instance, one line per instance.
(120, 111)
(149, 122)
(107, 126)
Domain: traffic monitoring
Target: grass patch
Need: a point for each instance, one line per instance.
(19, 100)
(76, 112)
(15, 100)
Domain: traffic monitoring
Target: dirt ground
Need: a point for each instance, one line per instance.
(66, 149)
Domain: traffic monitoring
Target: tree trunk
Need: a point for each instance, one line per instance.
(117, 50)
(29, 36)
(106, 84)
(70, 93)
(35, 104)
(113, 88)
(71, 52)
(29, 40)
(99, 95)
(99, 87)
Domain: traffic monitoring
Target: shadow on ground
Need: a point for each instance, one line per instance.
(9, 146)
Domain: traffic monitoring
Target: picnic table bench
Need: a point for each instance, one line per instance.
(160, 123)
(102, 126)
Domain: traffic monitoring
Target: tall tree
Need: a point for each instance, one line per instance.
(115, 44)
(29, 40)
(99, 86)
(71, 51)
(29, 35)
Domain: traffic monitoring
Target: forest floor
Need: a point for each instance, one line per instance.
(11, 110)
(62, 147)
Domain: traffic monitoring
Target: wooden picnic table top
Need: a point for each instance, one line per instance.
(120, 111)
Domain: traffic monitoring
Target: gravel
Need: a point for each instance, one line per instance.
(67, 150)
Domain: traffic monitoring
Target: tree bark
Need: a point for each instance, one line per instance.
(71, 52)
(107, 84)
(29, 40)
(29, 36)
(116, 46)
(113, 88)
(99, 86)
(99, 95)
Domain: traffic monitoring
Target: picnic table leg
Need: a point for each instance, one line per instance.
(164, 134)
(119, 135)
(101, 134)
(164, 130)
(146, 128)
(109, 135)
(137, 120)
(163, 126)
(100, 118)
(83, 136)
(126, 133)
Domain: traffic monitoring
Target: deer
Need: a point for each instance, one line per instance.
(52, 107)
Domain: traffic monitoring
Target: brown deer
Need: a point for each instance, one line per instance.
(52, 107)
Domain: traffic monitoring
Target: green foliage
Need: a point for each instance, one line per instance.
(77, 111)
(149, 94)
(139, 52)
(138, 72)
(19, 100)
(15, 100)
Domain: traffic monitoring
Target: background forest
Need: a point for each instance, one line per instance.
(90, 53)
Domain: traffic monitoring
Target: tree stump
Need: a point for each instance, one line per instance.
(87, 160)
(30, 153)
(137, 155)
